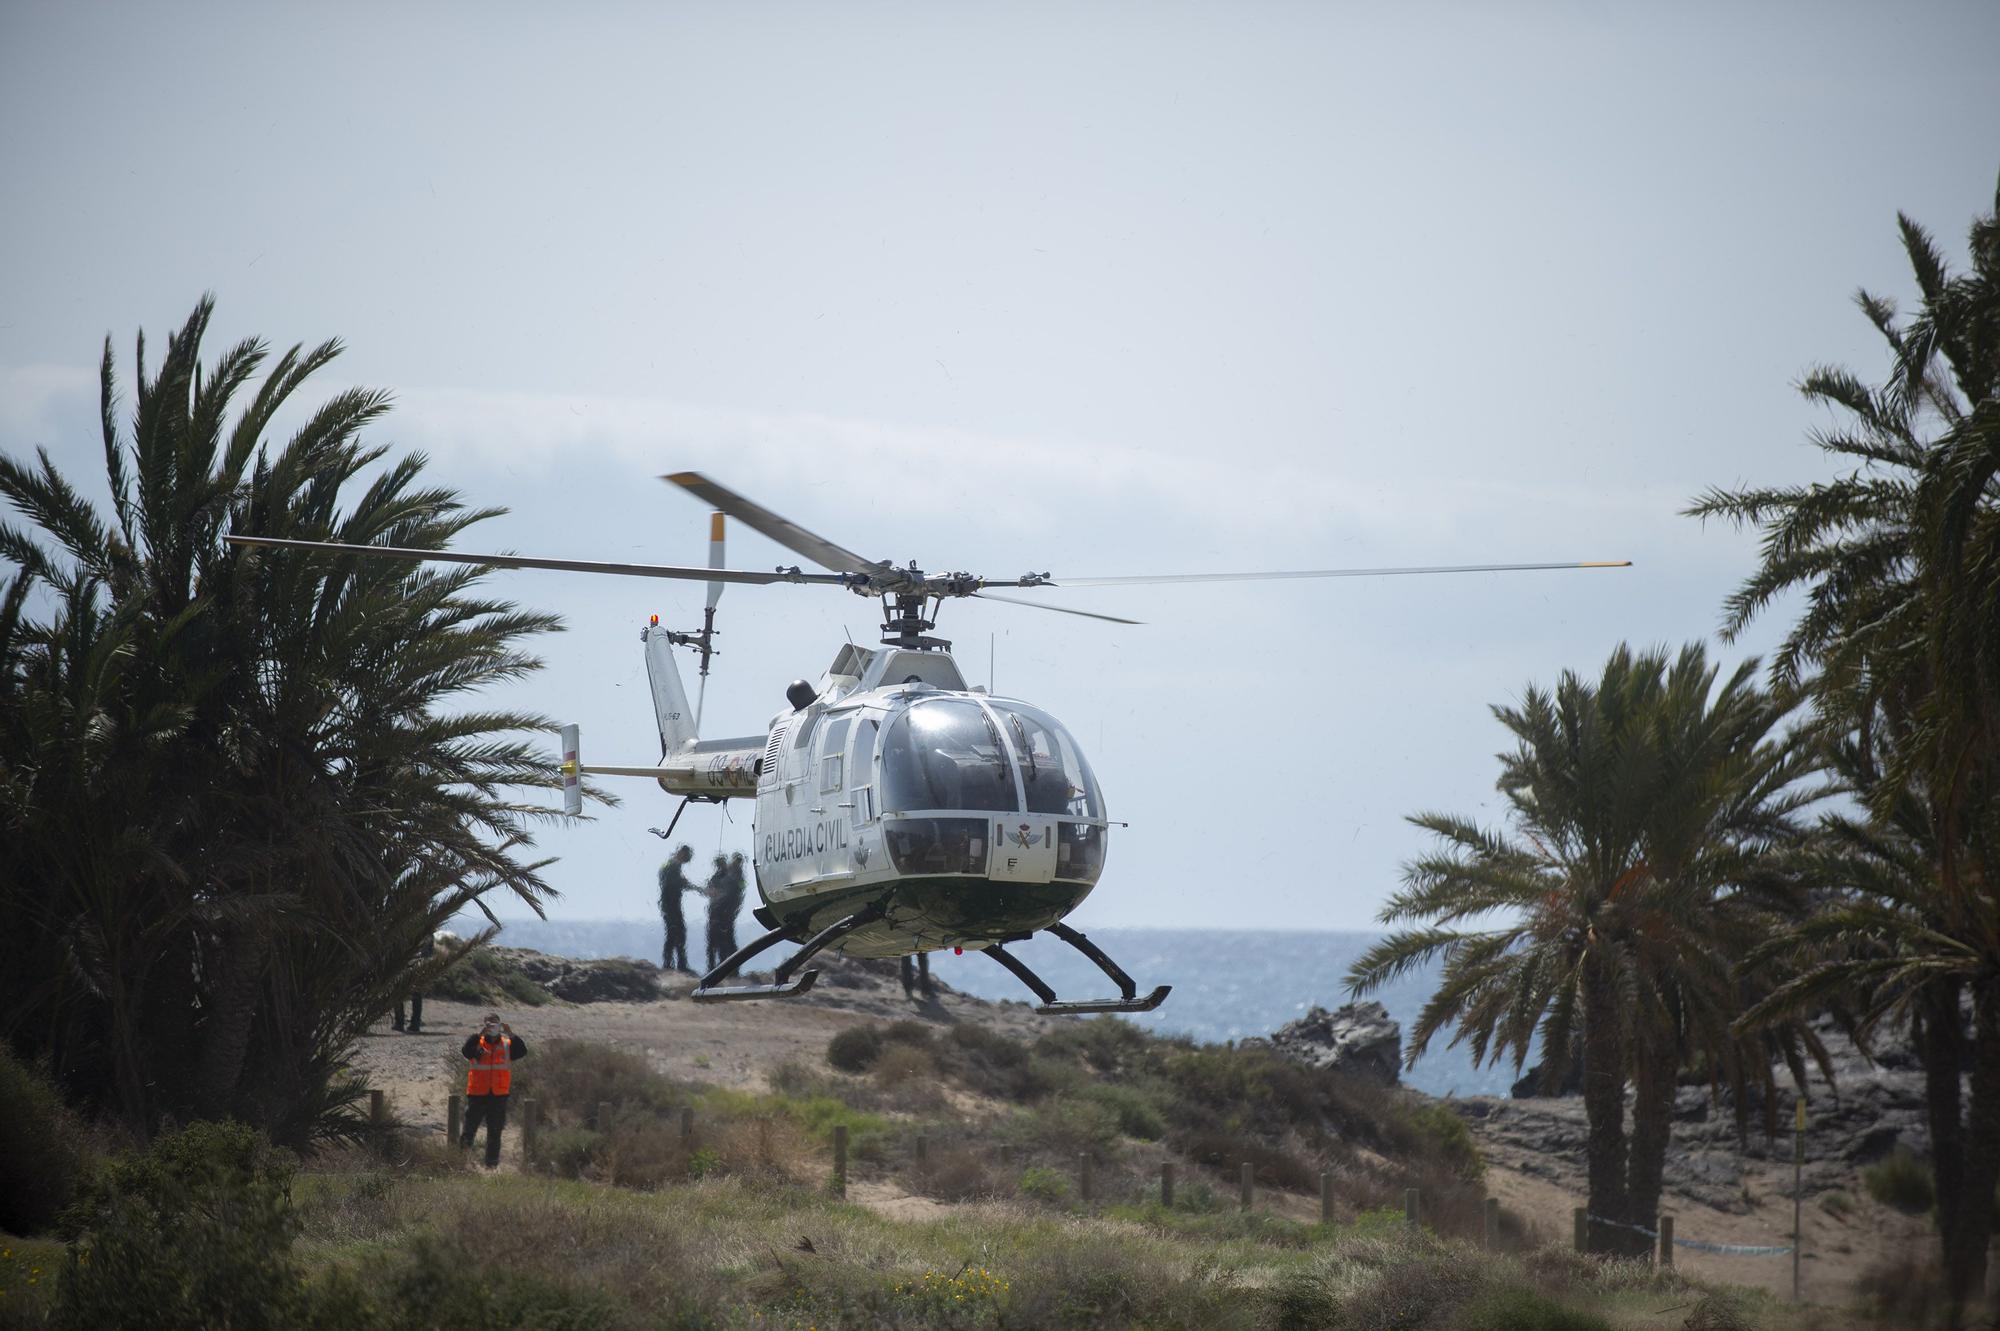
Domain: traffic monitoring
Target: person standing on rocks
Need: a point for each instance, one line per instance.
(726, 888)
(673, 882)
(493, 1051)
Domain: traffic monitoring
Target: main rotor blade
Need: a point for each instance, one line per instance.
(1059, 609)
(1142, 579)
(521, 561)
(782, 530)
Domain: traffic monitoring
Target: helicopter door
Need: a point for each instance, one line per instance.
(861, 772)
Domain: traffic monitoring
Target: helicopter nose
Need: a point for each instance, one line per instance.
(1024, 849)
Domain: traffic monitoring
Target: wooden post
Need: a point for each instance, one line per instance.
(1326, 1196)
(687, 1124)
(604, 1116)
(1167, 1184)
(1492, 1243)
(454, 1117)
(1798, 1189)
(378, 1110)
(839, 1152)
(1581, 1219)
(528, 1126)
(1246, 1184)
(923, 1150)
(1666, 1240)
(1086, 1185)
(1410, 1207)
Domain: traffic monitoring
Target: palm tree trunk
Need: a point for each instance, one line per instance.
(1652, 1132)
(1966, 1242)
(1941, 1041)
(232, 1004)
(1604, 1109)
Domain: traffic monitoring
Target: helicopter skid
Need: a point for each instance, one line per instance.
(789, 989)
(1146, 1004)
(711, 989)
(1128, 1000)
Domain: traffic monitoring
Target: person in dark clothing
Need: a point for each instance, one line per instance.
(673, 882)
(416, 1026)
(492, 1051)
(917, 975)
(725, 902)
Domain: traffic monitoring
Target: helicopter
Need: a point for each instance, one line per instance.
(897, 808)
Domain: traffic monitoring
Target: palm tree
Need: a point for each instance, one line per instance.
(1899, 650)
(1644, 808)
(234, 797)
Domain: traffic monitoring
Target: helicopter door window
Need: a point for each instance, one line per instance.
(830, 766)
(945, 754)
(861, 768)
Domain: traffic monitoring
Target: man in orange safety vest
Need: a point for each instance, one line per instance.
(493, 1051)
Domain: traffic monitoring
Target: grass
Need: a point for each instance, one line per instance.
(729, 1252)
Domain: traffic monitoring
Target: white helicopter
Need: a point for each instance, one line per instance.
(898, 810)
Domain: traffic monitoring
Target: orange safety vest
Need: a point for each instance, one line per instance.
(492, 1071)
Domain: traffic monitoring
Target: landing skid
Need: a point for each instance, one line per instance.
(710, 989)
(1130, 1002)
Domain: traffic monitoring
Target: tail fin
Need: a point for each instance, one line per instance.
(670, 703)
(572, 771)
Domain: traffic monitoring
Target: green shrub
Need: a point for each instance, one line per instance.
(1067, 1125)
(197, 1232)
(907, 1032)
(483, 976)
(1044, 1184)
(855, 1049)
(1902, 1181)
(571, 1078)
(1135, 1113)
(41, 1158)
(1447, 1140)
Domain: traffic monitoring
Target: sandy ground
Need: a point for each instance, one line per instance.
(725, 1044)
(738, 1044)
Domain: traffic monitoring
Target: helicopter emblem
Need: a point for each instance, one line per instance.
(892, 747)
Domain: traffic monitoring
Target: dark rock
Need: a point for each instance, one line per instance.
(606, 980)
(1360, 1039)
(1536, 1083)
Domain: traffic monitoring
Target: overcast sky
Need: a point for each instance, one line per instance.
(1090, 289)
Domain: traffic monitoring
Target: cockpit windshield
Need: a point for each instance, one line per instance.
(1053, 772)
(949, 753)
(946, 753)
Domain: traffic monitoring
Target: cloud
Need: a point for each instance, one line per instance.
(1236, 492)
(30, 396)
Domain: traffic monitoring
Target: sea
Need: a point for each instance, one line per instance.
(1227, 984)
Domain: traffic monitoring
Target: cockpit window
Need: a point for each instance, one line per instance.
(945, 754)
(1053, 771)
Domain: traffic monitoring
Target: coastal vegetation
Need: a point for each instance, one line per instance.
(234, 799)
(1646, 809)
(1666, 900)
(621, 1221)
